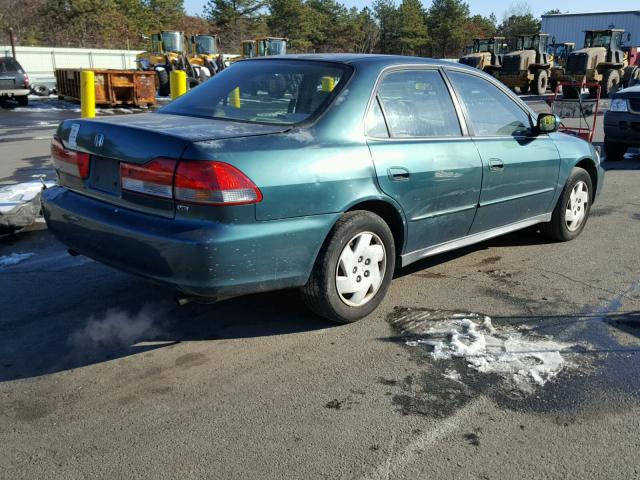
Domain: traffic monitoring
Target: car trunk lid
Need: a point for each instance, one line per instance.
(139, 139)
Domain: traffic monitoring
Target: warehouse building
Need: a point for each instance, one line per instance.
(570, 27)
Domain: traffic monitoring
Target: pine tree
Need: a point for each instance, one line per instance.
(413, 30)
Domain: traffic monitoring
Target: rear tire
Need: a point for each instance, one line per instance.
(540, 82)
(23, 101)
(614, 152)
(358, 254)
(572, 210)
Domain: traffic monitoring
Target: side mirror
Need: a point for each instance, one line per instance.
(548, 123)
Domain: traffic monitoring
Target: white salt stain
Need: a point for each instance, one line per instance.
(14, 259)
(514, 355)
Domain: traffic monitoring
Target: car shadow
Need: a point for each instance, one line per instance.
(31, 169)
(631, 161)
(60, 313)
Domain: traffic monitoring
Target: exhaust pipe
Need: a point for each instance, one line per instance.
(183, 300)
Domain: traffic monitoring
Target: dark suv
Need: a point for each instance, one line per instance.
(622, 123)
(14, 82)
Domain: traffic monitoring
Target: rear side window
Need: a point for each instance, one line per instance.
(376, 127)
(490, 111)
(265, 91)
(417, 103)
(9, 65)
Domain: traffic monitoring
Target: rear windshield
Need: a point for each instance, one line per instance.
(265, 91)
(9, 65)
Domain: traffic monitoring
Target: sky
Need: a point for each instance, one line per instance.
(486, 7)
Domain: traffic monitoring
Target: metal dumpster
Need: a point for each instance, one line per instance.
(113, 87)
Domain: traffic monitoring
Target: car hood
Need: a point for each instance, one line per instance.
(628, 92)
(141, 137)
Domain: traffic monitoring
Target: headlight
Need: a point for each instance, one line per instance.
(619, 105)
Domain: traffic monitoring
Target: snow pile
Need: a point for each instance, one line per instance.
(515, 356)
(14, 258)
(13, 195)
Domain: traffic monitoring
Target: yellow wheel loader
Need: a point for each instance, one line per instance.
(559, 54)
(204, 56)
(166, 54)
(602, 60)
(527, 67)
(264, 46)
(486, 54)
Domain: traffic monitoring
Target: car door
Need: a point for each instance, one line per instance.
(520, 167)
(422, 157)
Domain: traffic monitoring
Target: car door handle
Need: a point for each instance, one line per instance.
(496, 165)
(398, 174)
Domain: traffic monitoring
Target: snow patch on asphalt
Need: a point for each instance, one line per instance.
(513, 354)
(14, 195)
(14, 259)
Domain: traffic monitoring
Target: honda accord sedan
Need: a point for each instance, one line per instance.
(319, 172)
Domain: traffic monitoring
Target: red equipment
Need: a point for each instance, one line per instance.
(568, 107)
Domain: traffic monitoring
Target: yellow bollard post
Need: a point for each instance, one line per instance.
(235, 97)
(328, 84)
(178, 83)
(87, 94)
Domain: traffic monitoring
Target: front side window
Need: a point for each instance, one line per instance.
(491, 112)
(265, 91)
(417, 103)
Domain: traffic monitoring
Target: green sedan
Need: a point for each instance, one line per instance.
(325, 173)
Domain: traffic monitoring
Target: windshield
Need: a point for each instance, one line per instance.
(265, 91)
(482, 46)
(601, 39)
(172, 41)
(9, 65)
(247, 49)
(525, 43)
(205, 44)
(272, 47)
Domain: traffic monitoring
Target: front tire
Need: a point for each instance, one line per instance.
(572, 210)
(353, 270)
(164, 88)
(540, 82)
(610, 83)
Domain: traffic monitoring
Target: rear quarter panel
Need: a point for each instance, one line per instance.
(297, 173)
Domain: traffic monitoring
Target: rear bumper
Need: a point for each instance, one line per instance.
(18, 92)
(204, 258)
(622, 127)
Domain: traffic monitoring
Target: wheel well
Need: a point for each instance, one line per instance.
(390, 215)
(588, 165)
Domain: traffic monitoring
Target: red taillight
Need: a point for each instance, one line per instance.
(26, 80)
(69, 161)
(214, 183)
(154, 178)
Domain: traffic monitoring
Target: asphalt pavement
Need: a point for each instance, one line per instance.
(102, 375)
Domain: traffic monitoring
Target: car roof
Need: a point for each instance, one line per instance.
(358, 59)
